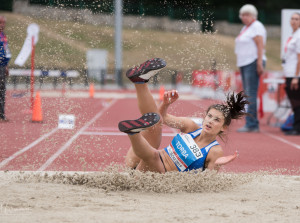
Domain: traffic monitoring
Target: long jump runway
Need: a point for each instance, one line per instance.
(95, 142)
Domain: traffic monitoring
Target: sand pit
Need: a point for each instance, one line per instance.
(131, 196)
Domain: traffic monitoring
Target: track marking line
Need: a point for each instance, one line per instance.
(175, 131)
(70, 141)
(4, 162)
(281, 139)
(118, 133)
(100, 129)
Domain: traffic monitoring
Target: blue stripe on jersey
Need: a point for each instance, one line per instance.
(195, 133)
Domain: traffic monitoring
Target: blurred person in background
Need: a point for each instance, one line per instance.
(4, 59)
(291, 69)
(250, 52)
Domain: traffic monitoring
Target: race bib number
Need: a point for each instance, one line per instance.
(189, 141)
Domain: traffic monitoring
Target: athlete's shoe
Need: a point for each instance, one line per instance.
(138, 125)
(142, 73)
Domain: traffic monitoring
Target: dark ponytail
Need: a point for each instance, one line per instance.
(233, 108)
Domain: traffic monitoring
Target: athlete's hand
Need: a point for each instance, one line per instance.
(170, 97)
(226, 159)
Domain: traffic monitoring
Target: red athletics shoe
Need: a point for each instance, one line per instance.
(136, 126)
(142, 73)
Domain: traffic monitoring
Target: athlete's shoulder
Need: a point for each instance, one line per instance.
(216, 151)
(195, 130)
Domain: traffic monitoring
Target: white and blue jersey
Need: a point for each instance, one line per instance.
(185, 152)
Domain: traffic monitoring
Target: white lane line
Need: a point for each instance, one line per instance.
(175, 131)
(118, 134)
(69, 142)
(281, 140)
(101, 129)
(4, 162)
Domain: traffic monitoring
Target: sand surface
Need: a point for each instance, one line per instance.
(113, 196)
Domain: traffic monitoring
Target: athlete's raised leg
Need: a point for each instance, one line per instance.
(146, 104)
(140, 76)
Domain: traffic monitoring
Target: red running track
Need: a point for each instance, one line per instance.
(95, 142)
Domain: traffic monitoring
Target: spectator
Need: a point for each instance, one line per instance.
(291, 68)
(4, 59)
(249, 49)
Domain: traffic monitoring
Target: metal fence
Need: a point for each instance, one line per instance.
(43, 76)
(56, 79)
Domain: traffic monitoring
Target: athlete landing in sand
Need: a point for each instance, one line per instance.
(194, 147)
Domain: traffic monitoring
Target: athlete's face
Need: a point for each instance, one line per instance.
(213, 122)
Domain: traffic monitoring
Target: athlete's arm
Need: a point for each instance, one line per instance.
(213, 155)
(182, 123)
(216, 159)
(226, 159)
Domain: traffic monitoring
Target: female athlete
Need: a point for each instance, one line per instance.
(194, 147)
